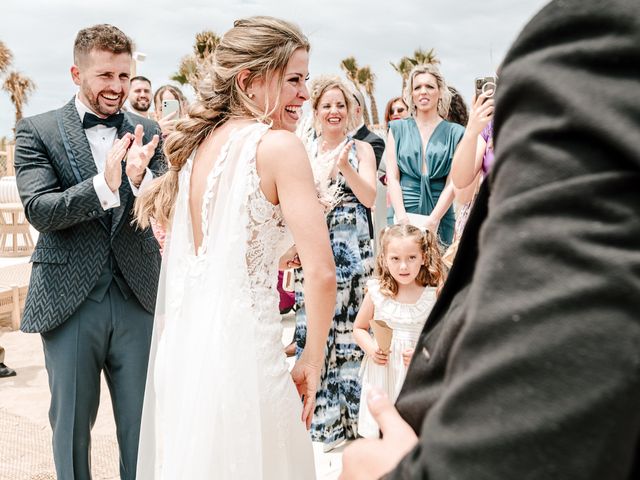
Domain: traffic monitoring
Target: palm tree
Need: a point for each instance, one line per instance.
(421, 57)
(403, 67)
(19, 88)
(406, 64)
(187, 71)
(194, 67)
(6, 57)
(367, 78)
(206, 43)
(350, 67)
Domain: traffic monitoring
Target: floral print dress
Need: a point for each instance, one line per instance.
(338, 398)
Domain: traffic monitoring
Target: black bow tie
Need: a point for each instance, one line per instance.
(113, 121)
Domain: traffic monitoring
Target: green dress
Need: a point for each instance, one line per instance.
(421, 191)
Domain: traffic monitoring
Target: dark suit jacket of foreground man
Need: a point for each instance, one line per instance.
(529, 364)
(93, 285)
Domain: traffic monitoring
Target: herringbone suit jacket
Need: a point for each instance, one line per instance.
(54, 172)
(528, 366)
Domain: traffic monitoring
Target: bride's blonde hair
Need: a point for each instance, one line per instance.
(262, 45)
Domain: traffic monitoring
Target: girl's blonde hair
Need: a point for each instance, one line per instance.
(324, 83)
(431, 273)
(262, 45)
(445, 95)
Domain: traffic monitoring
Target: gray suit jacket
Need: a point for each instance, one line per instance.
(528, 367)
(54, 171)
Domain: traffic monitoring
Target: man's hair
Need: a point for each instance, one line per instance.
(357, 95)
(141, 79)
(101, 37)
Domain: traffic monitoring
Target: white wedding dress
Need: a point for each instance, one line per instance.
(220, 402)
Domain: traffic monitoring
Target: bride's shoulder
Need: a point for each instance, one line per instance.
(280, 140)
(281, 146)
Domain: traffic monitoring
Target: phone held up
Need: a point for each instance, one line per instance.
(170, 106)
(486, 85)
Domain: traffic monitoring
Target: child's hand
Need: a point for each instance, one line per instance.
(380, 357)
(406, 356)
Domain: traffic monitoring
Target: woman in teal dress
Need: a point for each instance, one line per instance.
(418, 168)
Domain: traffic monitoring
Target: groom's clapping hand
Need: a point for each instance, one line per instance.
(139, 155)
(113, 164)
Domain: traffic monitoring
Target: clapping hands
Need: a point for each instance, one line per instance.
(139, 155)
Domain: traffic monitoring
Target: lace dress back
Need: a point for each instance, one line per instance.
(220, 402)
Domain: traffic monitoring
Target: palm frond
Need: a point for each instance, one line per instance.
(6, 57)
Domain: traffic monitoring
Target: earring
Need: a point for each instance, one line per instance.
(251, 95)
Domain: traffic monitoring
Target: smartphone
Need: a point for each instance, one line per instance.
(288, 280)
(170, 106)
(486, 85)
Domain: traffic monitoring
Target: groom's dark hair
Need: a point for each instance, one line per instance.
(101, 37)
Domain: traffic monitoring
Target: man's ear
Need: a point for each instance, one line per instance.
(75, 74)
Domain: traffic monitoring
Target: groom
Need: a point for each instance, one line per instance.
(94, 279)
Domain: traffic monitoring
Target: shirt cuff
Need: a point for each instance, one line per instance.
(108, 199)
(148, 176)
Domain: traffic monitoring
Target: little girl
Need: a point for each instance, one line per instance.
(408, 270)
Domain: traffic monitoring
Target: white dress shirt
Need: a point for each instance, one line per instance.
(101, 139)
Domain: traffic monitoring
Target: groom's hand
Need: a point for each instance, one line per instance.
(113, 165)
(139, 155)
(367, 459)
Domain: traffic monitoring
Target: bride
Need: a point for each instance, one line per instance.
(220, 402)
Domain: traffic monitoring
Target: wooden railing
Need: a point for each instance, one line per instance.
(7, 152)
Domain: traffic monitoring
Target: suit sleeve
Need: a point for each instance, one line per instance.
(378, 149)
(157, 164)
(47, 206)
(543, 381)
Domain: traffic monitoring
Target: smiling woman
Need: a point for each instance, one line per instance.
(352, 166)
(239, 181)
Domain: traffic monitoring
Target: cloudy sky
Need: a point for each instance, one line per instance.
(470, 36)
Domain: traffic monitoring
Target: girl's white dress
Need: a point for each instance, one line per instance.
(407, 321)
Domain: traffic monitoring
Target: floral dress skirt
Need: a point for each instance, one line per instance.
(338, 398)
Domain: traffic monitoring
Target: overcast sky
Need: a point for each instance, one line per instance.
(470, 36)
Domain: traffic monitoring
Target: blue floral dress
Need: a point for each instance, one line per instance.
(338, 398)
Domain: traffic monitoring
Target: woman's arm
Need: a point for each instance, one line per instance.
(465, 195)
(444, 202)
(362, 181)
(393, 180)
(286, 178)
(467, 159)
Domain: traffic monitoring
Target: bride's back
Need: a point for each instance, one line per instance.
(206, 158)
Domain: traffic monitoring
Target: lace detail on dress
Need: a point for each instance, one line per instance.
(267, 238)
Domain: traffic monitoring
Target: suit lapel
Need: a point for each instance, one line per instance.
(126, 195)
(80, 157)
(362, 132)
(77, 146)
